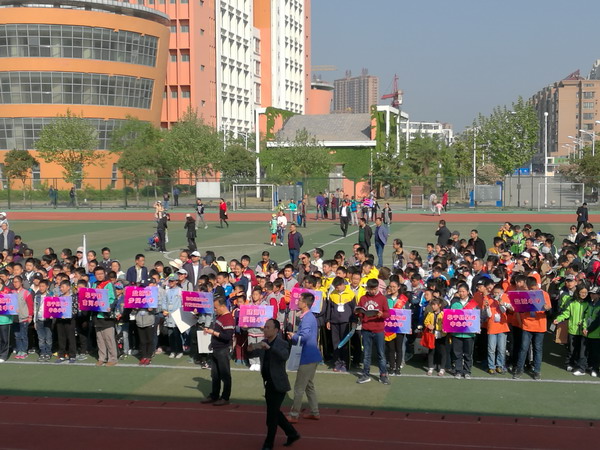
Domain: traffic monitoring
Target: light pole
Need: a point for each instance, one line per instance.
(579, 142)
(593, 135)
(474, 160)
(545, 159)
(258, 112)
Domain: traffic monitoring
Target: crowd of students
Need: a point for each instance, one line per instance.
(452, 273)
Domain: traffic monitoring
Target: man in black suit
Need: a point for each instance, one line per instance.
(364, 234)
(274, 354)
(443, 233)
(138, 274)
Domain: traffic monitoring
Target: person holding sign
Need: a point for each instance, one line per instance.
(220, 342)
(43, 327)
(104, 323)
(591, 331)
(373, 310)
(25, 315)
(309, 360)
(534, 327)
(463, 343)
(394, 342)
(495, 310)
(65, 327)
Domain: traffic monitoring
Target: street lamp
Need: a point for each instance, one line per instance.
(545, 158)
(577, 141)
(258, 112)
(593, 135)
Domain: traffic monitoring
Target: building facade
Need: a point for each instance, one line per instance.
(355, 95)
(572, 107)
(438, 130)
(100, 59)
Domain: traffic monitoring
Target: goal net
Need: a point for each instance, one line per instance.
(245, 196)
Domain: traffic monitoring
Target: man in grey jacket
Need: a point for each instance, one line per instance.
(274, 354)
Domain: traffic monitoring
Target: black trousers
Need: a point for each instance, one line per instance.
(463, 354)
(394, 350)
(275, 418)
(82, 323)
(577, 352)
(344, 221)
(146, 337)
(579, 225)
(437, 355)
(192, 244)
(339, 332)
(220, 372)
(4, 341)
(593, 346)
(65, 329)
(161, 240)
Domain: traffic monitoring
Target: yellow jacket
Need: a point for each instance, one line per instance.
(438, 325)
(372, 275)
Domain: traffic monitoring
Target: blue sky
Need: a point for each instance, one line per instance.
(457, 58)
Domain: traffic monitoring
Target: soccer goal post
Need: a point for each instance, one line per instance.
(244, 196)
(560, 195)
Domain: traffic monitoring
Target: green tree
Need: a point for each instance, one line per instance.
(297, 160)
(509, 137)
(238, 164)
(18, 164)
(140, 158)
(71, 142)
(193, 146)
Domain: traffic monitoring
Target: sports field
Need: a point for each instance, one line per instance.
(180, 380)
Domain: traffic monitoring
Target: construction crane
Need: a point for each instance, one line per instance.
(395, 95)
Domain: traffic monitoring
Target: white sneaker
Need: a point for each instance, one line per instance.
(251, 368)
(178, 355)
(594, 374)
(569, 369)
(578, 373)
(172, 355)
(205, 227)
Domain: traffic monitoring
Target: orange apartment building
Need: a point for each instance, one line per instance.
(223, 58)
(101, 61)
(573, 109)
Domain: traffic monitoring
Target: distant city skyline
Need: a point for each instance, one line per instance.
(455, 60)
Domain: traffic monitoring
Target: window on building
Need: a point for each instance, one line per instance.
(35, 176)
(172, 2)
(588, 84)
(151, 2)
(201, 67)
(174, 93)
(185, 92)
(201, 32)
(588, 116)
(589, 126)
(257, 93)
(161, 2)
(185, 57)
(173, 28)
(257, 68)
(114, 176)
(184, 1)
(173, 57)
(184, 28)
(257, 45)
(588, 95)
(140, 2)
(588, 105)
(203, 103)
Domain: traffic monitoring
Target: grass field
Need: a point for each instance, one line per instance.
(559, 394)
(126, 239)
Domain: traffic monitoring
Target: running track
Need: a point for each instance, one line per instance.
(265, 216)
(56, 423)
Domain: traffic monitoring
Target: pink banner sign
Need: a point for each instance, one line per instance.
(137, 297)
(58, 308)
(462, 321)
(198, 302)
(254, 316)
(527, 301)
(9, 303)
(295, 294)
(93, 300)
(399, 321)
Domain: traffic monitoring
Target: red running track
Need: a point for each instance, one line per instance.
(57, 423)
(520, 218)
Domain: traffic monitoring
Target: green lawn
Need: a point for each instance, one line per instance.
(126, 239)
(558, 395)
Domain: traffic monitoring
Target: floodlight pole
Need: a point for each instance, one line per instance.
(258, 112)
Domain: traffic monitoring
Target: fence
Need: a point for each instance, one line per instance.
(118, 193)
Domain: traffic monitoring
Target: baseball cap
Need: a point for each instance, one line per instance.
(526, 255)
(209, 259)
(182, 272)
(79, 250)
(172, 277)
(570, 278)
(195, 253)
(595, 290)
(118, 285)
